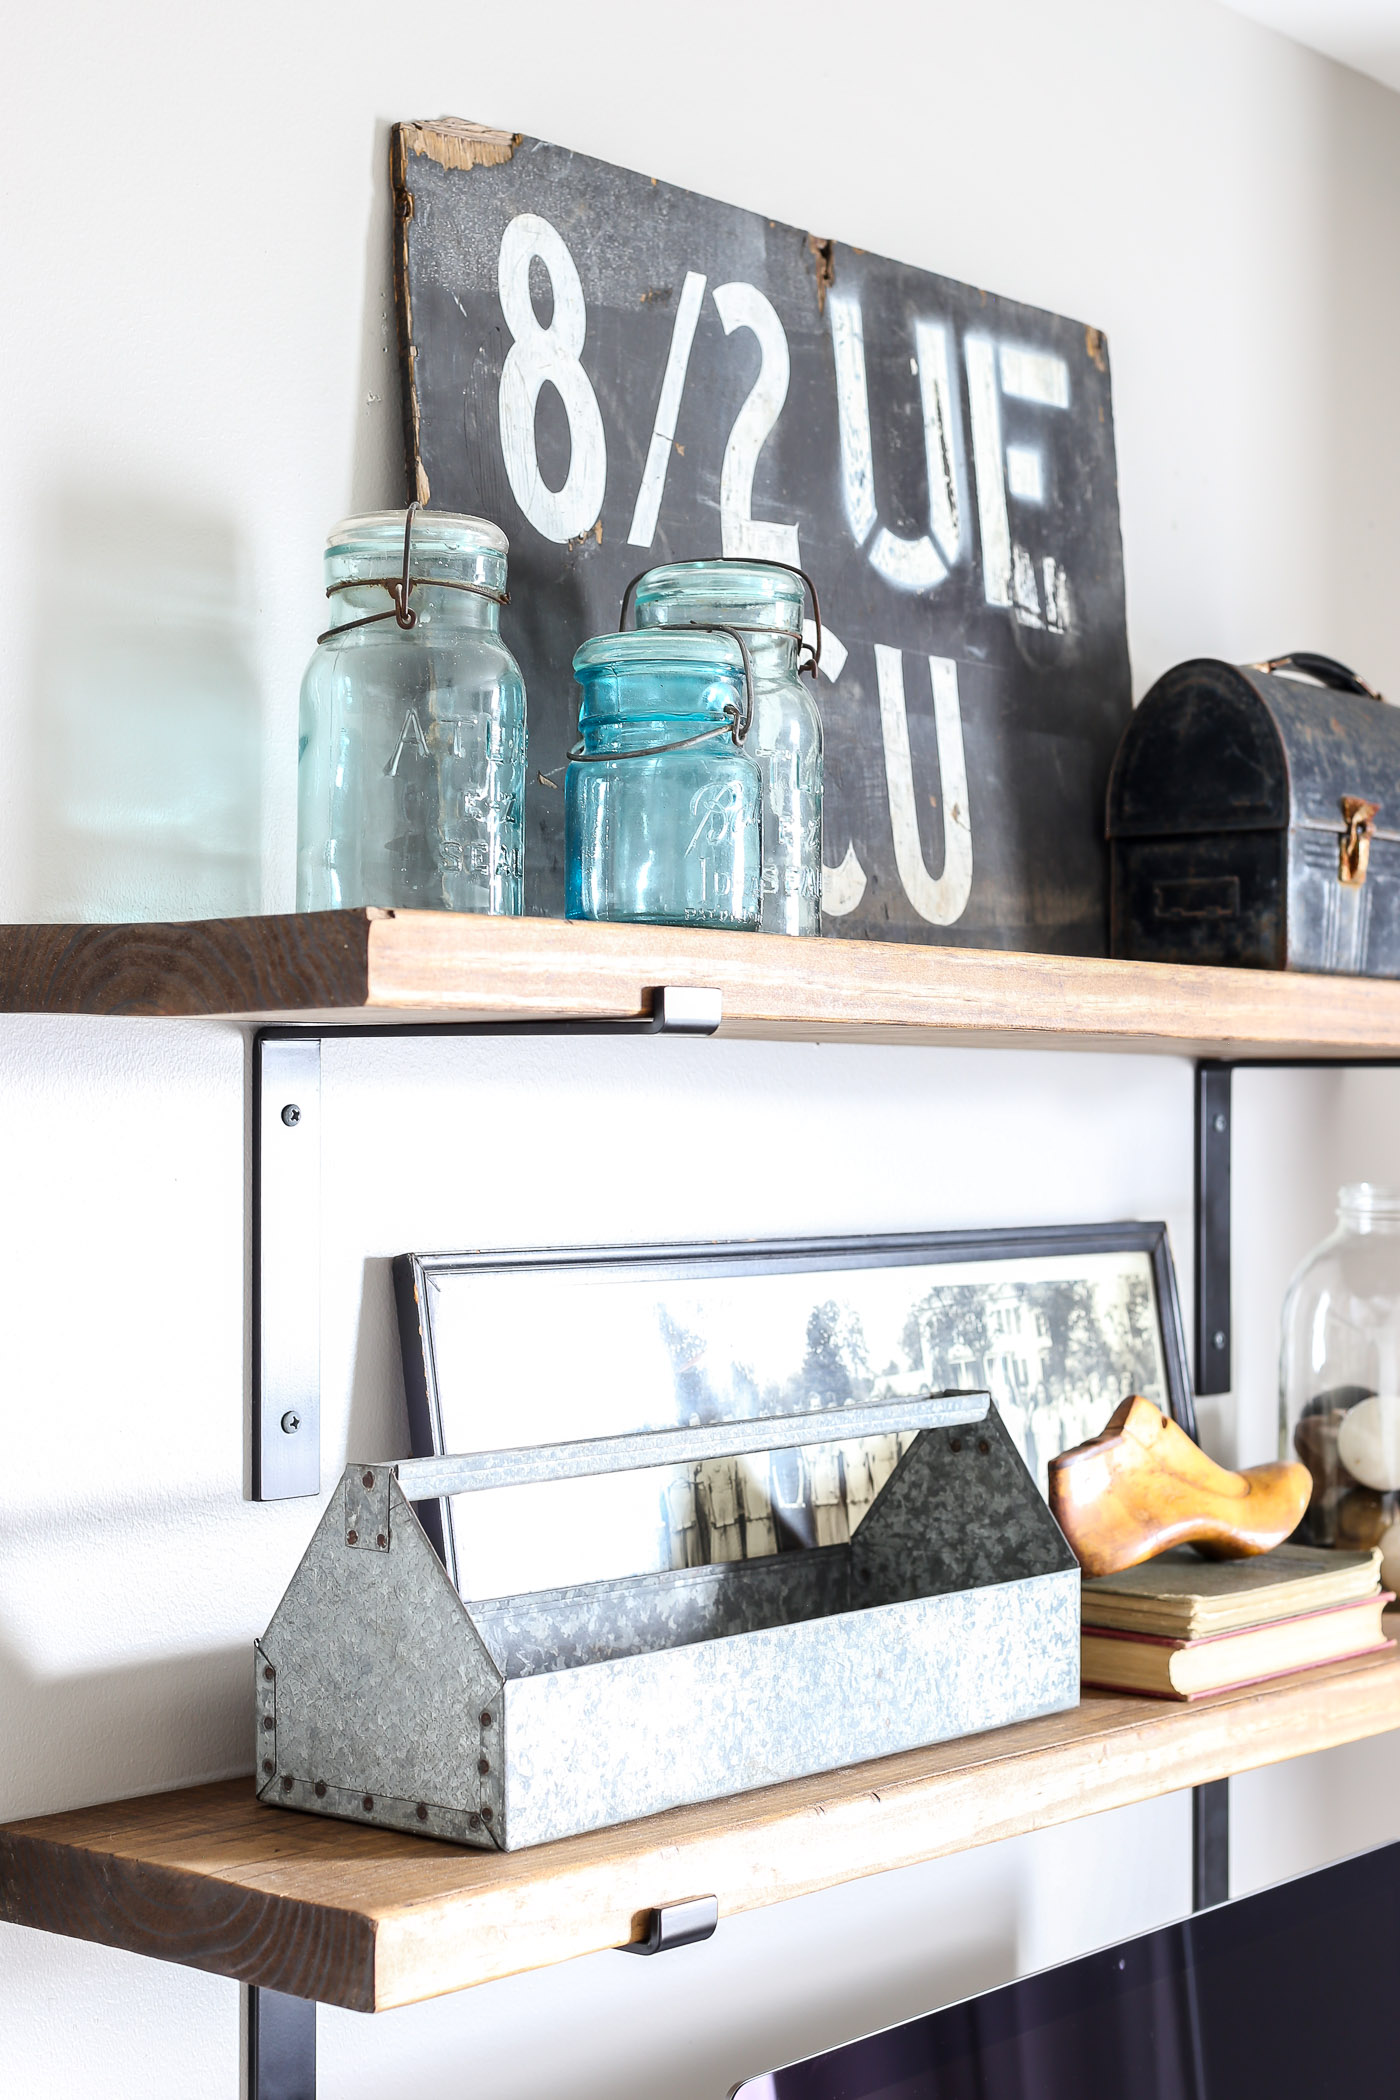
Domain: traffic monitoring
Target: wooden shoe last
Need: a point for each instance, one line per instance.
(1143, 1486)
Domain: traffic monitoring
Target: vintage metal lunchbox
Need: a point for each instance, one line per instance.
(1254, 820)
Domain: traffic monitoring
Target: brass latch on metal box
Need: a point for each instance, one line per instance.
(1355, 850)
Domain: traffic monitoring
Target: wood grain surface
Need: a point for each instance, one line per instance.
(379, 966)
(277, 965)
(369, 1919)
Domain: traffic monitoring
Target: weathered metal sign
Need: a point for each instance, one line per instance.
(621, 373)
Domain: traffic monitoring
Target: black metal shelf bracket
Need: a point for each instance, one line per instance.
(1213, 1114)
(286, 1212)
(1210, 1804)
(281, 2046)
(1210, 1844)
(1210, 1808)
(286, 1345)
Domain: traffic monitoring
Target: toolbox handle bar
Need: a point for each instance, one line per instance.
(423, 1478)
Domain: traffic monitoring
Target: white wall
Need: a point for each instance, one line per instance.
(198, 360)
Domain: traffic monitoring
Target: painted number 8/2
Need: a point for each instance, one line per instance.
(548, 356)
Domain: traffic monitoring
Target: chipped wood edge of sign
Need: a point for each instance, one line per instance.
(453, 142)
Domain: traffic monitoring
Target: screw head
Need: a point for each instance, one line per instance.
(381, 1542)
(352, 1538)
(268, 1672)
(320, 1790)
(368, 1479)
(268, 1724)
(473, 1821)
(291, 1115)
(291, 1422)
(483, 1765)
(955, 1443)
(485, 1718)
(983, 1446)
(1217, 1123)
(486, 1815)
(287, 1782)
(367, 1803)
(269, 1767)
(422, 1811)
(1217, 1340)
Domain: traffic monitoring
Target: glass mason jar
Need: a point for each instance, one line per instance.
(764, 600)
(411, 766)
(662, 799)
(1340, 1377)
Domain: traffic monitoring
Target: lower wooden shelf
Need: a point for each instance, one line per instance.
(367, 1919)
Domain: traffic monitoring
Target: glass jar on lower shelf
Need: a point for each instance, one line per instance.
(411, 768)
(764, 601)
(1340, 1378)
(661, 800)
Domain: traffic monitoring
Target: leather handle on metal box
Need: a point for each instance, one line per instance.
(1325, 669)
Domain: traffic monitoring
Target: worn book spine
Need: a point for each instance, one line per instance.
(1098, 1674)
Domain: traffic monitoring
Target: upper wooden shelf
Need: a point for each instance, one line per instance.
(366, 967)
(368, 1919)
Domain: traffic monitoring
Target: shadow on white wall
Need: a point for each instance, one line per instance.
(147, 738)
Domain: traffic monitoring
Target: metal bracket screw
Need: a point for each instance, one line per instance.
(291, 1422)
(1218, 1338)
(291, 1115)
(1218, 1124)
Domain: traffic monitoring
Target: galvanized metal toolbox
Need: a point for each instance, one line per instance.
(385, 1697)
(1254, 820)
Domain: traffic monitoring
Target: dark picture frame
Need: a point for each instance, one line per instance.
(420, 1278)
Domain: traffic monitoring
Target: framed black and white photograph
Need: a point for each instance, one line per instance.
(1057, 1323)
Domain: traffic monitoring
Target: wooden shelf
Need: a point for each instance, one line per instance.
(368, 1919)
(366, 967)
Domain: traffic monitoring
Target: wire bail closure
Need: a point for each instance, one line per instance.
(814, 651)
(735, 725)
(399, 589)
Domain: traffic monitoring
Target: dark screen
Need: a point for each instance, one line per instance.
(1287, 1995)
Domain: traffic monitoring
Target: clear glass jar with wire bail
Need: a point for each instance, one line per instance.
(765, 602)
(411, 765)
(1339, 1378)
(662, 799)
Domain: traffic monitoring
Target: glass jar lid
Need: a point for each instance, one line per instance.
(646, 651)
(650, 681)
(761, 594)
(395, 554)
(434, 532)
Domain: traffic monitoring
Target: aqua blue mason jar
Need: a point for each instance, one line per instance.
(411, 757)
(662, 801)
(764, 601)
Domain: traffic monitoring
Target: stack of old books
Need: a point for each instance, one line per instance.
(1178, 1627)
